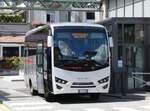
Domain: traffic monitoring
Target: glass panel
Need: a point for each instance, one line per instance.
(22, 51)
(134, 63)
(31, 52)
(48, 18)
(109, 30)
(120, 48)
(90, 15)
(129, 57)
(39, 47)
(139, 58)
(129, 33)
(139, 33)
(120, 3)
(40, 54)
(112, 4)
(120, 40)
(137, 0)
(81, 48)
(10, 51)
(132, 33)
(39, 59)
(127, 2)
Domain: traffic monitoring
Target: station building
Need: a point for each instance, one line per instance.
(130, 52)
(127, 8)
(128, 23)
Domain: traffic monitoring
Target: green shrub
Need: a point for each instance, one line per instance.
(9, 18)
(11, 63)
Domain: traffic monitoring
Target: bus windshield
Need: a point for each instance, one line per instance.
(80, 48)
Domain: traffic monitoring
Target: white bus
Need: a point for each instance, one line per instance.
(67, 58)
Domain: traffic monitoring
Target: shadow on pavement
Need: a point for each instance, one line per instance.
(11, 91)
(3, 96)
(104, 98)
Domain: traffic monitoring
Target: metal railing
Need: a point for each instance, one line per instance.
(145, 83)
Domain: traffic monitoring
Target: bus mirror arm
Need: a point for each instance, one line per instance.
(50, 41)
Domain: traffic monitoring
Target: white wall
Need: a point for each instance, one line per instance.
(120, 12)
(97, 16)
(147, 8)
(63, 16)
(84, 17)
(56, 16)
(138, 10)
(39, 16)
(74, 16)
(129, 11)
(112, 13)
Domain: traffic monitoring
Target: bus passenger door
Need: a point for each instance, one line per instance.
(40, 67)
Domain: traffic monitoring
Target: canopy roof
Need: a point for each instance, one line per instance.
(12, 39)
(54, 5)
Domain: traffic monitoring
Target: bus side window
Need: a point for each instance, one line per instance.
(49, 64)
(25, 54)
(39, 54)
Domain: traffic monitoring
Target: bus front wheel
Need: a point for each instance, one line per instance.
(32, 91)
(49, 97)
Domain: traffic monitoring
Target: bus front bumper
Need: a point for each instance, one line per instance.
(80, 89)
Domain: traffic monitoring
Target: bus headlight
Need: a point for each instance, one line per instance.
(58, 80)
(103, 80)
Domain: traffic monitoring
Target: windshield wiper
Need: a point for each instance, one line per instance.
(82, 63)
(90, 54)
(67, 62)
(101, 64)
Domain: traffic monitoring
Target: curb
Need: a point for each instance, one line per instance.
(128, 96)
(13, 78)
(17, 80)
(113, 95)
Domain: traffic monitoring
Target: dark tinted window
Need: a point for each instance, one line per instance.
(90, 15)
(48, 17)
(31, 52)
(10, 51)
(129, 33)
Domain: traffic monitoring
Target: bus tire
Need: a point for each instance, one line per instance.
(49, 97)
(32, 91)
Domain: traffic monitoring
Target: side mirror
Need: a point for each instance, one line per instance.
(111, 44)
(50, 41)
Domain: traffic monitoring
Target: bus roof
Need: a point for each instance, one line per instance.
(75, 24)
(39, 33)
(32, 31)
(62, 25)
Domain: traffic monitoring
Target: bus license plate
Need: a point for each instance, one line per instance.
(83, 91)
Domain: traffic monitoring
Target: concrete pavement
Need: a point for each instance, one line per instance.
(3, 108)
(82, 105)
(17, 98)
(10, 78)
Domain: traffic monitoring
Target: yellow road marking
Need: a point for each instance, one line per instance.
(3, 108)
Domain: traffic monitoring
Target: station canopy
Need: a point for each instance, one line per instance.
(54, 5)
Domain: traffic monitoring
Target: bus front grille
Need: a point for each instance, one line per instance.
(83, 86)
(82, 83)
